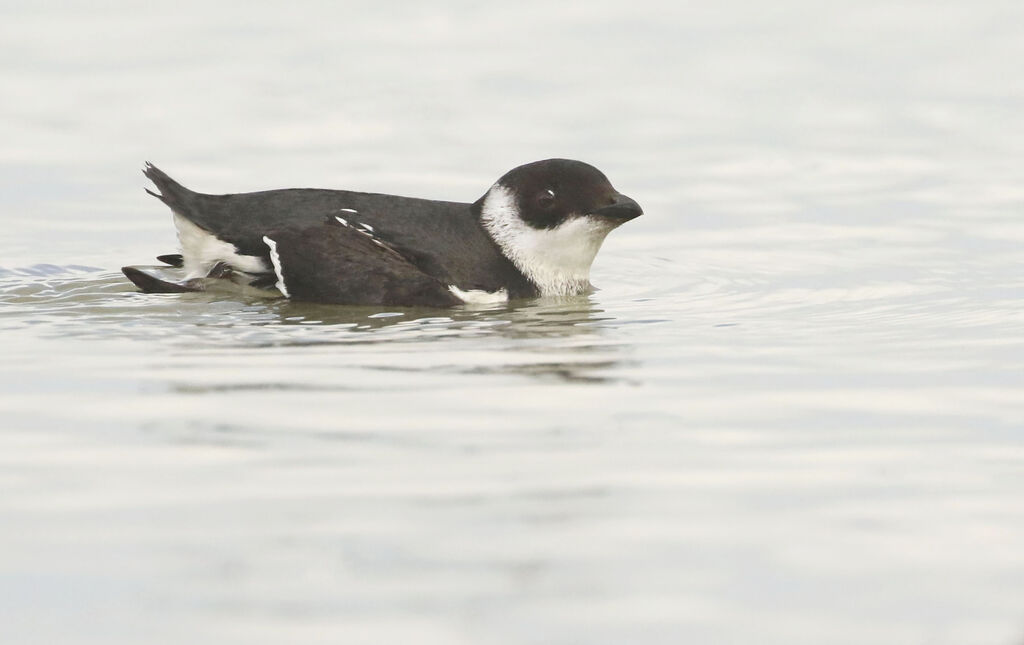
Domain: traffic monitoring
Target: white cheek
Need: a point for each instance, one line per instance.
(557, 260)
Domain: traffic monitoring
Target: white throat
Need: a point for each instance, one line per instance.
(557, 260)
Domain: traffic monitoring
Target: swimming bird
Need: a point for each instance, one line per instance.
(535, 232)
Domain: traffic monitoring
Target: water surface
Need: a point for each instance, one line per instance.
(791, 414)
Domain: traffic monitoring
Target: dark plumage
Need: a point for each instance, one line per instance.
(350, 247)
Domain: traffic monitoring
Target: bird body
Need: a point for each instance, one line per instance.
(535, 232)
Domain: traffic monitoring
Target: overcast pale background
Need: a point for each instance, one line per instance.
(793, 414)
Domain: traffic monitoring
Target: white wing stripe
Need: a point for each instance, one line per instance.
(275, 259)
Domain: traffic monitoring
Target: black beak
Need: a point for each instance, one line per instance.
(621, 210)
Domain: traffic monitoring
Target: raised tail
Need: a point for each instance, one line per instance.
(171, 192)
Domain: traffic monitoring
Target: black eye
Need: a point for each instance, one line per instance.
(546, 199)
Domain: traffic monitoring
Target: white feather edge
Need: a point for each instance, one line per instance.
(479, 296)
(275, 259)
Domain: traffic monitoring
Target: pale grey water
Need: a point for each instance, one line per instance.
(793, 413)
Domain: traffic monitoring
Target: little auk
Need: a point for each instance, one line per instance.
(535, 232)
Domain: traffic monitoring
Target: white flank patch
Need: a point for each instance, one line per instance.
(276, 260)
(479, 296)
(341, 220)
(348, 210)
(557, 260)
(201, 250)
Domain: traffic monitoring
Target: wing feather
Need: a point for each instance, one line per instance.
(336, 263)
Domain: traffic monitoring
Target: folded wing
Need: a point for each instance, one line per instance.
(339, 263)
